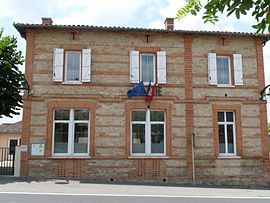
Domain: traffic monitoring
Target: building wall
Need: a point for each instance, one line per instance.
(4, 142)
(4, 139)
(187, 98)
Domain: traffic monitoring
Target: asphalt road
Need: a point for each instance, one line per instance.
(23, 190)
(58, 198)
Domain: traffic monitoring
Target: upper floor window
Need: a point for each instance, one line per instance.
(73, 66)
(71, 132)
(223, 70)
(77, 66)
(148, 67)
(226, 133)
(220, 70)
(148, 133)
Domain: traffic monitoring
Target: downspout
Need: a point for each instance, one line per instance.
(193, 159)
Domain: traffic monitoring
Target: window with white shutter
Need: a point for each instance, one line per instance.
(77, 66)
(58, 64)
(148, 67)
(134, 67)
(161, 67)
(212, 69)
(220, 70)
(86, 65)
(238, 69)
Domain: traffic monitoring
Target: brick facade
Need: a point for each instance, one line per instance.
(189, 102)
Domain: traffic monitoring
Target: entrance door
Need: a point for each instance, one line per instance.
(12, 145)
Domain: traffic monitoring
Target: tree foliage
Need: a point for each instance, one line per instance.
(10, 76)
(260, 11)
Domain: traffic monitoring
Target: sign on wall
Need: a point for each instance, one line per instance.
(37, 149)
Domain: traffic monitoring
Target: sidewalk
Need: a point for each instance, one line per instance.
(25, 185)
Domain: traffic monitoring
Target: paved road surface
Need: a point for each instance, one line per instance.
(56, 198)
(44, 191)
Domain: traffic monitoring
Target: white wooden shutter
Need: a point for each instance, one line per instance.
(238, 69)
(58, 65)
(86, 65)
(161, 67)
(212, 68)
(134, 67)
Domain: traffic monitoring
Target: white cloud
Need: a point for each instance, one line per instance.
(101, 12)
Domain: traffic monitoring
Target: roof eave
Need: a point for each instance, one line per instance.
(21, 28)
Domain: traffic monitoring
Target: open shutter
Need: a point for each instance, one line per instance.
(86, 65)
(161, 67)
(134, 67)
(58, 64)
(238, 69)
(212, 68)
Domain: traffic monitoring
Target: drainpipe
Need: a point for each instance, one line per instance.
(193, 158)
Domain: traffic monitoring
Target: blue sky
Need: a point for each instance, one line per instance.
(127, 13)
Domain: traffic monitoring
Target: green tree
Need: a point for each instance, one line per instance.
(10, 76)
(269, 129)
(260, 10)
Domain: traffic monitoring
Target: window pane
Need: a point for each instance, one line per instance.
(61, 138)
(157, 138)
(229, 116)
(138, 115)
(221, 137)
(230, 139)
(73, 66)
(157, 115)
(223, 70)
(220, 116)
(82, 114)
(138, 138)
(61, 114)
(81, 138)
(147, 63)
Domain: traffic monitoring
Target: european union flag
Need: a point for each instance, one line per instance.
(138, 90)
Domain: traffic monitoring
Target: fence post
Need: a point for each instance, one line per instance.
(17, 165)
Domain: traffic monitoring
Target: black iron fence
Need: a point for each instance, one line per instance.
(7, 160)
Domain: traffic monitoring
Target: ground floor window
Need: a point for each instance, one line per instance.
(71, 131)
(148, 132)
(226, 133)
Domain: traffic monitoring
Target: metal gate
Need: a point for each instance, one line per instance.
(7, 160)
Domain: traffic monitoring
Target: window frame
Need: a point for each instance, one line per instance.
(225, 123)
(65, 67)
(238, 129)
(154, 67)
(148, 141)
(230, 70)
(71, 133)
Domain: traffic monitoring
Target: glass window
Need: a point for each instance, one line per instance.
(139, 116)
(223, 70)
(148, 67)
(138, 138)
(73, 65)
(81, 138)
(81, 114)
(71, 132)
(157, 116)
(61, 138)
(157, 138)
(148, 133)
(226, 133)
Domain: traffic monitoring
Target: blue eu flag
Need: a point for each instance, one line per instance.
(138, 90)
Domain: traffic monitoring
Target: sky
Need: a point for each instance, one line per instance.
(126, 13)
